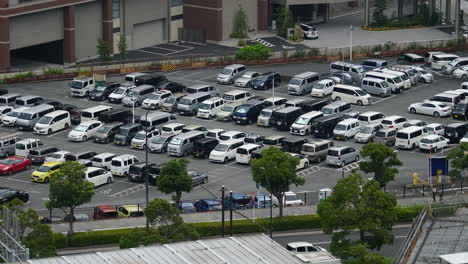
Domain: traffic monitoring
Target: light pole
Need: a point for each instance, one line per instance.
(351, 42)
(271, 202)
(146, 165)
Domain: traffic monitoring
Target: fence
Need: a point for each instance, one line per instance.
(423, 190)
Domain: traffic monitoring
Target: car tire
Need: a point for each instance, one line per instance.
(67, 126)
(436, 115)
(109, 180)
(163, 150)
(205, 180)
(337, 98)
(306, 165)
(359, 102)
(85, 139)
(194, 113)
(49, 131)
(185, 153)
(226, 159)
(345, 138)
(412, 110)
(465, 77)
(10, 172)
(413, 146)
(46, 180)
(357, 158)
(382, 95)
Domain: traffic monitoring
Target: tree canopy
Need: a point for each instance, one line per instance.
(285, 21)
(382, 158)
(174, 178)
(458, 157)
(241, 23)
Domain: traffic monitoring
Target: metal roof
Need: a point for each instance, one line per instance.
(458, 258)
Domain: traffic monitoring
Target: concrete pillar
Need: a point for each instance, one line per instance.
(448, 8)
(326, 12)
(69, 46)
(107, 24)
(400, 8)
(366, 12)
(4, 44)
(262, 15)
(457, 19)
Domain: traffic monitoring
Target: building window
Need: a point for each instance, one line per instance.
(115, 9)
(176, 3)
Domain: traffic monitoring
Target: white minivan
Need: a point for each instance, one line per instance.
(84, 131)
(23, 146)
(172, 129)
(93, 113)
(236, 96)
(103, 160)
(244, 153)
(210, 108)
(98, 176)
(120, 165)
(226, 151)
(351, 94)
(52, 122)
(409, 138)
(345, 129)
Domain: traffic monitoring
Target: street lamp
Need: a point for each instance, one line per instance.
(146, 164)
(262, 169)
(351, 42)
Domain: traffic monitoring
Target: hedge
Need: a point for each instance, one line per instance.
(105, 237)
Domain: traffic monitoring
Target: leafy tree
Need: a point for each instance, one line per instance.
(276, 171)
(253, 52)
(458, 157)
(68, 189)
(241, 23)
(285, 21)
(139, 236)
(380, 19)
(174, 178)
(382, 158)
(122, 45)
(361, 255)
(40, 241)
(103, 50)
(353, 205)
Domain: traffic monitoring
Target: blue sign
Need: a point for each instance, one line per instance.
(257, 186)
(439, 163)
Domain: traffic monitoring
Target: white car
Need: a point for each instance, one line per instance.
(424, 76)
(98, 176)
(246, 78)
(291, 199)
(118, 94)
(103, 160)
(433, 143)
(464, 139)
(5, 110)
(215, 133)
(303, 247)
(303, 161)
(461, 73)
(436, 129)
(323, 88)
(139, 140)
(84, 131)
(59, 156)
(155, 100)
(414, 122)
(394, 121)
(434, 109)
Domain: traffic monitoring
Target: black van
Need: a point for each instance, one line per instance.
(150, 79)
(460, 111)
(314, 105)
(154, 171)
(284, 118)
(202, 147)
(293, 145)
(126, 133)
(455, 131)
(137, 171)
(248, 113)
(106, 133)
(323, 127)
(173, 87)
(116, 115)
(266, 80)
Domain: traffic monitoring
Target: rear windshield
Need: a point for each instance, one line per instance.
(380, 134)
(20, 146)
(402, 135)
(428, 141)
(242, 151)
(211, 134)
(269, 142)
(135, 170)
(116, 163)
(249, 140)
(86, 114)
(224, 137)
(167, 129)
(34, 152)
(387, 122)
(334, 153)
(97, 159)
(20, 102)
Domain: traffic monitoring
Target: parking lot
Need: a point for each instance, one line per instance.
(235, 176)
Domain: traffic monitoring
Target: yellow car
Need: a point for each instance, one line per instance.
(130, 210)
(42, 174)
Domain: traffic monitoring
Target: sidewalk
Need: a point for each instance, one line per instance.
(216, 216)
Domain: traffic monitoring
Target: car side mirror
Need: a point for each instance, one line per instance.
(173, 117)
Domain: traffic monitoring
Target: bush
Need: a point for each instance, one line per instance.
(53, 71)
(24, 75)
(103, 237)
(407, 214)
(60, 240)
(241, 43)
(300, 53)
(314, 52)
(253, 52)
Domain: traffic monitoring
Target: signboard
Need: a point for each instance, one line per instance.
(438, 163)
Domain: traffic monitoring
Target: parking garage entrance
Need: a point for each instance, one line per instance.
(50, 52)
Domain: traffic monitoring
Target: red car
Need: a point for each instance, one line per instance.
(14, 164)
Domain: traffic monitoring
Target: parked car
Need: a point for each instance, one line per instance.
(159, 144)
(172, 87)
(207, 205)
(14, 164)
(266, 80)
(103, 91)
(394, 121)
(434, 128)
(432, 143)
(7, 195)
(203, 147)
(455, 131)
(43, 173)
(342, 155)
(303, 161)
(366, 133)
(386, 136)
(198, 178)
(303, 247)
(246, 79)
(84, 131)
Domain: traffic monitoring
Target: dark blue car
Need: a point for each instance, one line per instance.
(208, 205)
(266, 81)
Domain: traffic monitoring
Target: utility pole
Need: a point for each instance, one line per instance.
(230, 213)
(223, 206)
(351, 42)
(457, 21)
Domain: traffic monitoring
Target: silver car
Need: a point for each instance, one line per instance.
(159, 143)
(246, 78)
(366, 133)
(340, 156)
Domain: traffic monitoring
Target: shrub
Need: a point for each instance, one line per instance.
(233, 35)
(53, 71)
(314, 52)
(3, 81)
(241, 43)
(24, 75)
(60, 240)
(298, 54)
(253, 52)
(407, 214)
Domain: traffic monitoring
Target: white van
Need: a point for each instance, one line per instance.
(302, 125)
(155, 119)
(9, 99)
(210, 108)
(323, 88)
(406, 80)
(409, 138)
(98, 176)
(351, 94)
(103, 160)
(226, 150)
(132, 76)
(345, 129)
(449, 99)
(10, 118)
(236, 96)
(230, 73)
(340, 66)
(376, 86)
(93, 113)
(244, 153)
(23, 146)
(302, 83)
(370, 117)
(52, 122)
(172, 129)
(395, 82)
(440, 60)
(120, 165)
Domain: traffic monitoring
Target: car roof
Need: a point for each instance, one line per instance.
(299, 244)
(106, 208)
(249, 146)
(368, 113)
(174, 124)
(105, 154)
(393, 117)
(433, 125)
(432, 136)
(51, 163)
(231, 133)
(216, 130)
(338, 147)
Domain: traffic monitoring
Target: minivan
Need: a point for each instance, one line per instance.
(446, 98)
(159, 144)
(302, 83)
(155, 119)
(27, 120)
(182, 145)
(140, 139)
(265, 118)
(23, 146)
(408, 138)
(210, 108)
(372, 64)
(370, 117)
(346, 129)
(296, 102)
(303, 124)
(203, 147)
(376, 86)
(323, 127)
(230, 73)
(153, 79)
(38, 155)
(10, 118)
(335, 108)
(366, 133)
(103, 160)
(323, 88)
(340, 66)
(116, 115)
(407, 82)
(172, 129)
(189, 104)
(386, 136)
(342, 155)
(226, 150)
(455, 131)
(266, 80)
(106, 133)
(411, 58)
(440, 60)
(8, 143)
(137, 171)
(293, 145)
(126, 133)
(98, 176)
(460, 111)
(226, 112)
(28, 100)
(275, 101)
(93, 113)
(9, 99)
(52, 122)
(236, 96)
(393, 121)
(284, 118)
(248, 113)
(395, 82)
(351, 94)
(136, 96)
(132, 76)
(120, 165)
(203, 88)
(455, 64)
(314, 105)
(244, 153)
(316, 150)
(103, 91)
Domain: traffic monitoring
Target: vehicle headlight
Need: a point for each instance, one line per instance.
(5, 168)
(244, 118)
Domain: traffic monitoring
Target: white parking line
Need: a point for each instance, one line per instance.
(159, 54)
(157, 47)
(192, 74)
(19, 174)
(174, 72)
(10, 179)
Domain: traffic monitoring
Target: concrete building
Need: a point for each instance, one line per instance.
(66, 31)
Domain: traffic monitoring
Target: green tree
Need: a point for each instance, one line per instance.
(458, 157)
(122, 45)
(253, 52)
(68, 189)
(103, 50)
(174, 178)
(382, 158)
(380, 19)
(139, 236)
(276, 171)
(284, 22)
(353, 205)
(241, 23)
(361, 255)
(40, 241)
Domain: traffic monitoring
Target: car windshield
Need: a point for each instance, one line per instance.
(154, 96)
(387, 122)
(76, 85)
(100, 88)
(242, 110)
(116, 163)
(384, 84)
(103, 129)
(120, 91)
(397, 80)
(327, 111)
(461, 107)
(466, 135)
(81, 128)
(291, 198)
(423, 72)
(123, 131)
(224, 137)
(361, 92)
(159, 140)
(380, 134)
(249, 140)
(266, 113)
(7, 161)
(261, 78)
(365, 130)
(132, 94)
(221, 147)
(185, 101)
(226, 71)
(430, 128)
(247, 75)
(55, 156)
(45, 120)
(404, 77)
(340, 127)
(170, 100)
(332, 152)
(295, 81)
(227, 108)
(13, 114)
(25, 116)
(453, 63)
(319, 86)
(302, 121)
(43, 168)
(360, 69)
(176, 141)
(140, 136)
(205, 106)
(428, 140)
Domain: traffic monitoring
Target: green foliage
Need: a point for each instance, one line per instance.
(175, 179)
(380, 19)
(95, 238)
(24, 75)
(139, 236)
(382, 158)
(253, 52)
(458, 157)
(241, 24)
(355, 205)
(103, 50)
(68, 188)
(60, 240)
(360, 255)
(377, 48)
(314, 52)
(53, 71)
(407, 214)
(161, 213)
(40, 242)
(122, 46)
(241, 43)
(300, 53)
(284, 22)
(388, 46)
(2, 80)
(276, 171)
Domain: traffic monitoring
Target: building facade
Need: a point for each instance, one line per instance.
(67, 31)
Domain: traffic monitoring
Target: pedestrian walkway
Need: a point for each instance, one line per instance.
(216, 216)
